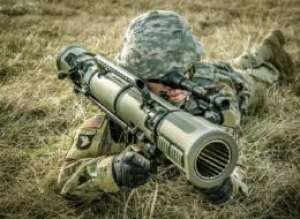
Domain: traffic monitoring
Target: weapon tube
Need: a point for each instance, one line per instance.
(202, 150)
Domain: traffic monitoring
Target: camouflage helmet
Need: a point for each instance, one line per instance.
(157, 43)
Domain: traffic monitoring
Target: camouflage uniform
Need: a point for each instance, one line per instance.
(158, 36)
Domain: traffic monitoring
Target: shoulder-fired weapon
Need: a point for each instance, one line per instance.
(202, 150)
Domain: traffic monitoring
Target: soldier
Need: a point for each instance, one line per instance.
(155, 44)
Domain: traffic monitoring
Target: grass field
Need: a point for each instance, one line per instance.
(39, 114)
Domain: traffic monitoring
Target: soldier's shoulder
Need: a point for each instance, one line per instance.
(203, 64)
(89, 138)
(94, 121)
(204, 70)
(213, 65)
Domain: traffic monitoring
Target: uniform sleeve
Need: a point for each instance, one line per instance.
(218, 75)
(87, 169)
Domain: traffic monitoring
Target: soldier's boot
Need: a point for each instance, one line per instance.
(272, 50)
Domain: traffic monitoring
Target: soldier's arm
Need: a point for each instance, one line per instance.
(95, 165)
(208, 74)
(87, 169)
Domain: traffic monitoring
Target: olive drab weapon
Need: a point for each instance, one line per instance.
(202, 150)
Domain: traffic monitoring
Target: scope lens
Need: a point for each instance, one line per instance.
(140, 84)
(213, 160)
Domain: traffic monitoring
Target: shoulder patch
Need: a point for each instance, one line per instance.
(94, 122)
(84, 141)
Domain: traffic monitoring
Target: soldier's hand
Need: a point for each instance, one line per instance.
(131, 169)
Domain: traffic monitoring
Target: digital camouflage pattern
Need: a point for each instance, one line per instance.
(159, 42)
(87, 170)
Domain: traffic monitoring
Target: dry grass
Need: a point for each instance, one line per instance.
(38, 115)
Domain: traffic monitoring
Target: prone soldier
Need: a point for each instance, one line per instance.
(157, 44)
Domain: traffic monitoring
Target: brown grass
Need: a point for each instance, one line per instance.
(38, 114)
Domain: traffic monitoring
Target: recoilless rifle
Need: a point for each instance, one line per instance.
(202, 150)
